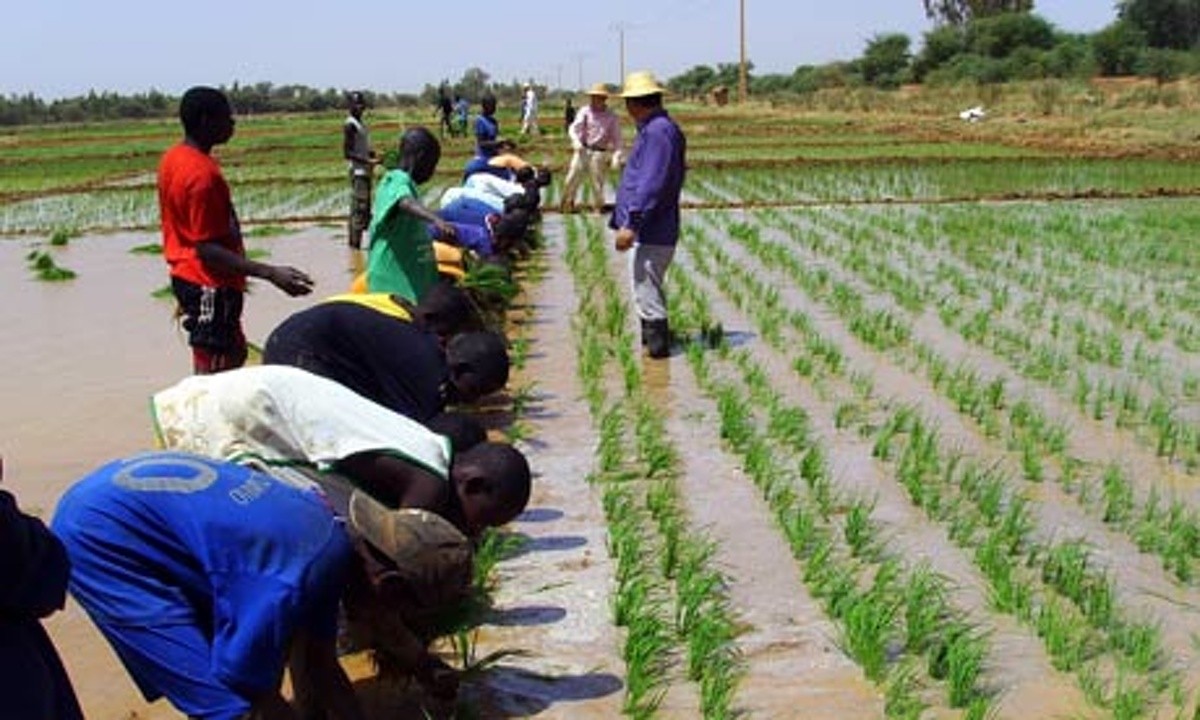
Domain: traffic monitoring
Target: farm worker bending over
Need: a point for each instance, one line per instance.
(646, 215)
(205, 576)
(595, 143)
(202, 241)
(33, 584)
(356, 148)
(369, 344)
(400, 259)
(494, 236)
(274, 416)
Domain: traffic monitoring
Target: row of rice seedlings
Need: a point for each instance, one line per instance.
(877, 180)
(702, 617)
(1051, 587)
(864, 591)
(1030, 432)
(996, 394)
(639, 599)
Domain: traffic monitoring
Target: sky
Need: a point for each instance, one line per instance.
(64, 48)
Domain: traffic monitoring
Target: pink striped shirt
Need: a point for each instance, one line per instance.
(596, 130)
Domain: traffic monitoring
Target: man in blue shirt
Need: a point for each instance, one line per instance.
(646, 214)
(206, 577)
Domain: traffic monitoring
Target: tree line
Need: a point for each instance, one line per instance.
(972, 41)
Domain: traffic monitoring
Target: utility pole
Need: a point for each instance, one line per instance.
(620, 28)
(742, 84)
(578, 57)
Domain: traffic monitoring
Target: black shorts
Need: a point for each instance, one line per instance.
(212, 316)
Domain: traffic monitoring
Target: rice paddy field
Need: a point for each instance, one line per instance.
(928, 445)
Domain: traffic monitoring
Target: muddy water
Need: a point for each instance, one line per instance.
(80, 360)
(552, 598)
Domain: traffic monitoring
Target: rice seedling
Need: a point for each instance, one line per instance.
(43, 267)
(902, 693)
(868, 630)
(63, 235)
(146, 249)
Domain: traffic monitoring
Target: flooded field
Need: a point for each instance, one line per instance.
(927, 445)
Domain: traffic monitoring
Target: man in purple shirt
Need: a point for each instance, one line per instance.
(646, 215)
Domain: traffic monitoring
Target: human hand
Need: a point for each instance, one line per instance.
(290, 280)
(446, 232)
(624, 239)
(437, 678)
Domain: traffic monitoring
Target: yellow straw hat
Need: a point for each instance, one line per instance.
(598, 89)
(641, 84)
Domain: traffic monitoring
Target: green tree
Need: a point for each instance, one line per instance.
(1000, 36)
(1173, 24)
(961, 12)
(475, 82)
(885, 61)
(1117, 48)
(695, 81)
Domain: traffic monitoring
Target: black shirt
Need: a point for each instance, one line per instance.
(381, 357)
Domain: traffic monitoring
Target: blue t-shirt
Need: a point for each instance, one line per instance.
(487, 129)
(168, 538)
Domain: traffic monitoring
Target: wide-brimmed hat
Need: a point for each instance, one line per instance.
(599, 88)
(641, 84)
(429, 552)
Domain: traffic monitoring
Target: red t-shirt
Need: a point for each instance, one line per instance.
(196, 207)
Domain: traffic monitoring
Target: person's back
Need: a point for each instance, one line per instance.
(381, 356)
(33, 584)
(201, 573)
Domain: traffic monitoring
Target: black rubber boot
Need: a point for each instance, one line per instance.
(659, 341)
(645, 333)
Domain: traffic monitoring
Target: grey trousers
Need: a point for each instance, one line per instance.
(648, 269)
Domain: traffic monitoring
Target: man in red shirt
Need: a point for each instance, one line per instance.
(202, 240)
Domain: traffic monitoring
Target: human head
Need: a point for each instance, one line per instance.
(412, 566)
(598, 96)
(478, 363)
(445, 310)
(357, 102)
(642, 94)
(488, 104)
(206, 116)
(509, 229)
(420, 152)
(492, 482)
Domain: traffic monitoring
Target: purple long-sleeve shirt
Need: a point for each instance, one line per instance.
(648, 195)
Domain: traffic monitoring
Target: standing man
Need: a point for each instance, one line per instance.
(202, 240)
(487, 128)
(356, 148)
(529, 111)
(646, 216)
(595, 137)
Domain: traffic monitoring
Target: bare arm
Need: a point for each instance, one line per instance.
(288, 279)
(396, 482)
(322, 688)
(412, 207)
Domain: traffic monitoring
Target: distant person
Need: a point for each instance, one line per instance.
(462, 109)
(529, 111)
(202, 240)
(33, 584)
(207, 577)
(568, 114)
(646, 216)
(487, 127)
(401, 259)
(273, 415)
(595, 136)
(356, 148)
(373, 347)
(445, 110)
